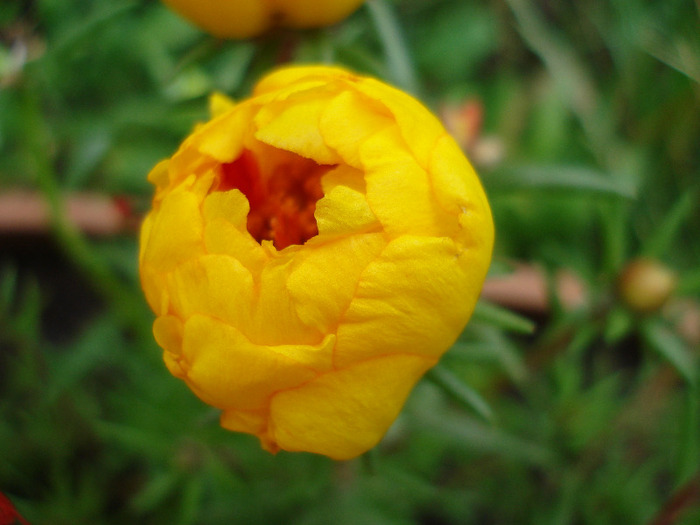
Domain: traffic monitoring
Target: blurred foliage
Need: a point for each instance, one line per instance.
(589, 151)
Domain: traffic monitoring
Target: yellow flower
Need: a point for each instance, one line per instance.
(243, 19)
(311, 252)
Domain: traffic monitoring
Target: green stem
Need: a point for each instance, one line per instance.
(460, 391)
(398, 57)
(690, 453)
(128, 308)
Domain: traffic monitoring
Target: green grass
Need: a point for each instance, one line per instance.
(592, 418)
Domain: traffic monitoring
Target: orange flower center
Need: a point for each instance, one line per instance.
(282, 203)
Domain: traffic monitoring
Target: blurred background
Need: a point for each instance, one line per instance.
(571, 398)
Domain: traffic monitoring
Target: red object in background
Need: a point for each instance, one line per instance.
(8, 513)
(464, 121)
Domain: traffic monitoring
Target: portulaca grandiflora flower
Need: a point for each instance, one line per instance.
(311, 252)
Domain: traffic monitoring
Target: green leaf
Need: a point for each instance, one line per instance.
(79, 33)
(191, 499)
(660, 241)
(460, 37)
(230, 66)
(689, 282)
(558, 178)
(155, 491)
(97, 346)
(318, 47)
(487, 344)
(27, 317)
(617, 325)
(615, 236)
(689, 456)
(8, 288)
(130, 438)
(502, 318)
(468, 433)
(398, 57)
(672, 348)
(460, 391)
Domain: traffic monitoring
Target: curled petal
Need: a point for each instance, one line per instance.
(419, 134)
(344, 208)
(179, 212)
(322, 281)
(276, 318)
(222, 237)
(394, 178)
(457, 189)
(231, 206)
(215, 285)
(388, 314)
(213, 352)
(322, 416)
(292, 79)
(348, 120)
(295, 128)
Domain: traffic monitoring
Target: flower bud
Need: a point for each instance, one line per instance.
(244, 19)
(311, 252)
(645, 285)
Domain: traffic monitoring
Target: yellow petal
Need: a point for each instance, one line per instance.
(214, 285)
(222, 139)
(144, 234)
(456, 182)
(276, 320)
(249, 421)
(415, 298)
(347, 120)
(153, 284)
(225, 19)
(222, 237)
(344, 208)
(344, 211)
(167, 330)
(344, 175)
(344, 413)
(174, 365)
(220, 104)
(396, 184)
(175, 231)
(229, 372)
(151, 281)
(300, 77)
(295, 127)
(419, 128)
(322, 279)
(158, 176)
(457, 188)
(232, 206)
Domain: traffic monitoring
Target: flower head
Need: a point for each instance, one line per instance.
(237, 19)
(311, 252)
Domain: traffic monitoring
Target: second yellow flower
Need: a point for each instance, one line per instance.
(244, 19)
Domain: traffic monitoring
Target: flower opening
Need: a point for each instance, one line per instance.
(282, 202)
